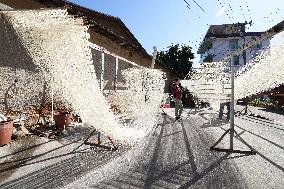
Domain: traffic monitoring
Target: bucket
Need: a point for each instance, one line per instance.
(166, 106)
(6, 131)
(62, 119)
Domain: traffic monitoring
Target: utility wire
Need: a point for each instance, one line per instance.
(195, 3)
(188, 7)
(186, 3)
(198, 5)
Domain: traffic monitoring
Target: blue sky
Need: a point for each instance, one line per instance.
(162, 22)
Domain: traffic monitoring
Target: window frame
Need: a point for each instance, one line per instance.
(237, 59)
(233, 44)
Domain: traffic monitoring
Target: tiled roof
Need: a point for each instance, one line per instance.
(109, 26)
(104, 24)
(277, 28)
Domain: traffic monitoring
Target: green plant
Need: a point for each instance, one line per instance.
(177, 58)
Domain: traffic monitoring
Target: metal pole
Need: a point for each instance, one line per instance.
(232, 116)
(52, 109)
(231, 131)
(102, 71)
(99, 138)
(116, 73)
(154, 56)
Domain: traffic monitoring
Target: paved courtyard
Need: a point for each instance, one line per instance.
(177, 155)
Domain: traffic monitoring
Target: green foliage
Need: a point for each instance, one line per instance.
(258, 102)
(177, 58)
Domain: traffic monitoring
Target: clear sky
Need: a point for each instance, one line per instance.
(162, 22)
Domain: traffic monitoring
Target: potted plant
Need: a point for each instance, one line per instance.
(63, 117)
(6, 131)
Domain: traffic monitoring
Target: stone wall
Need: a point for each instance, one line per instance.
(16, 64)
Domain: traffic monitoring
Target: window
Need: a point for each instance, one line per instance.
(245, 57)
(257, 46)
(236, 60)
(203, 56)
(209, 58)
(234, 44)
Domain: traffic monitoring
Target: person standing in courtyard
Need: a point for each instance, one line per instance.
(226, 103)
(177, 93)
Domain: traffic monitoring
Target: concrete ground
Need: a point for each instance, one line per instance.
(177, 155)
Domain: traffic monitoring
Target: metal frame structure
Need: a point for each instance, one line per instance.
(231, 131)
(103, 51)
(99, 144)
(116, 63)
(102, 62)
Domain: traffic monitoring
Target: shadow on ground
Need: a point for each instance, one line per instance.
(162, 166)
(78, 162)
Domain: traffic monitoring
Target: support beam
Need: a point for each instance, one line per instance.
(102, 49)
(232, 109)
(102, 71)
(116, 73)
(4, 7)
(232, 131)
(52, 102)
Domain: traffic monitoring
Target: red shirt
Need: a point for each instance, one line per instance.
(177, 91)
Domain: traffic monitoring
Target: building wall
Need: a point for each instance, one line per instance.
(251, 53)
(113, 47)
(109, 74)
(168, 76)
(16, 64)
(96, 38)
(109, 66)
(221, 48)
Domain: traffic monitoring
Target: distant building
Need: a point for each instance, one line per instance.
(221, 40)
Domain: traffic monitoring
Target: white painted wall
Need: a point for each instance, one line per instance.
(221, 48)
